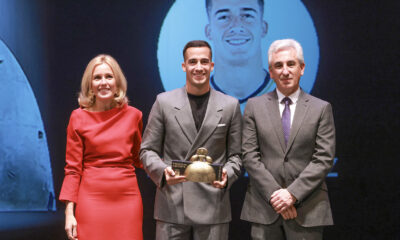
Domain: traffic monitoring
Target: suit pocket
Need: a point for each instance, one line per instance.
(220, 131)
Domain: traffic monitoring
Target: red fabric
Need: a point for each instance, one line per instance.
(100, 178)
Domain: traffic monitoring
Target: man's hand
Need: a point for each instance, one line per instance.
(281, 200)
(171, 178)
(289, 213)
(224, 180)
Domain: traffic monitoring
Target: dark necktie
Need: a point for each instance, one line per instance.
(286, 119)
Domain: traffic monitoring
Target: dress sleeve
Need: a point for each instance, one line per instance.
(137, 140)
(73, 159)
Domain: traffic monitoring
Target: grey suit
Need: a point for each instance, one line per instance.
(171, 135)
(300, 167)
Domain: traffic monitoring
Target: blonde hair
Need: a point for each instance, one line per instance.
(86, 97)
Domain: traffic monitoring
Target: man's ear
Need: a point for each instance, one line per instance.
(302, 66)
(264, 28)
(184, 67)
(207, 31)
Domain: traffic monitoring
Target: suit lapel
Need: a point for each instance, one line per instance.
(299, 114)
(184, 116)
(274, 115)
(210, 123)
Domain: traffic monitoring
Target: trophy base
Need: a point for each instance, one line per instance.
(180, 166)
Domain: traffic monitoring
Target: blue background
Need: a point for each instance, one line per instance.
(177, 30)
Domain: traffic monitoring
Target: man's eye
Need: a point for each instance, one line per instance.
(206, 61)
(223, 17)
(278, 65)
(291, 63)
(247, 15)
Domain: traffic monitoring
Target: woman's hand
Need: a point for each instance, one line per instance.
(70, 221)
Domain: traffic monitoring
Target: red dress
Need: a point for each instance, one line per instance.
(102, 150)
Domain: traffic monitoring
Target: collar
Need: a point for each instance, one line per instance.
(253, 94)
(294, 96)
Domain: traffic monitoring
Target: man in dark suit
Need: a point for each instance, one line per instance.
(288, 148)
(180, 122)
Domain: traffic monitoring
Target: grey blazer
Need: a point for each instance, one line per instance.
(171, 135)
(301, 167)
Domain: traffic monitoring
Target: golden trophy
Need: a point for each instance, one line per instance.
(199, 169)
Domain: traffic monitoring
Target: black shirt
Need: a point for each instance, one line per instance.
(199, 107)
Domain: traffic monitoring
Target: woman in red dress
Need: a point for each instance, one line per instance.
(100, 189)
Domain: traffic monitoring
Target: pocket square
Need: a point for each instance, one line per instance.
(221, 125)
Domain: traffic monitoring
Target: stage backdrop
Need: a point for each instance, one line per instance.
(351, 61)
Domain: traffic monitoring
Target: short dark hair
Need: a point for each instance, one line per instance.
(209, 5)
(197, 43)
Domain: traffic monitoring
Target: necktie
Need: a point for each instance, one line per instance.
(286, 118)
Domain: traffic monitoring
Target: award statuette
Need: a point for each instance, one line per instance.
(199, 169)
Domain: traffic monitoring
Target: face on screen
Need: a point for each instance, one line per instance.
(236, 28)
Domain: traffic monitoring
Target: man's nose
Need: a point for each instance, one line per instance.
(236, 24)
(198, 66)
(285, 70)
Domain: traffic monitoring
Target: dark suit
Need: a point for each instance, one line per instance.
(171, 135)
(300, 167)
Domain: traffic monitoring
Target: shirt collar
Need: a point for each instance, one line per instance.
(294, 96)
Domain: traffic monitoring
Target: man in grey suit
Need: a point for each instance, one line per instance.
(288, 148)
(181, 121)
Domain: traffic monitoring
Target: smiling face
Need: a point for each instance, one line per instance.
(236, 28)
(286, 70)
(104, 85)
(198, 67)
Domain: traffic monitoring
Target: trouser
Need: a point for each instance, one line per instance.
(285, 230)
(172, 231)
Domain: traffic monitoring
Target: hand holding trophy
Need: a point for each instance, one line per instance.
(199, 169)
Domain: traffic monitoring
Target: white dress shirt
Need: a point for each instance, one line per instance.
(294, 97)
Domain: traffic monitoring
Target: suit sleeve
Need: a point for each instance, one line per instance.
(152, 145)
(322, 159)
(73, 159)
(234, 162)
(264, 182)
